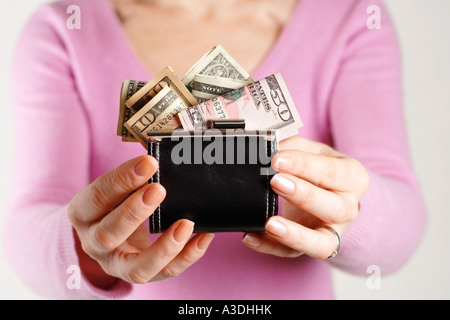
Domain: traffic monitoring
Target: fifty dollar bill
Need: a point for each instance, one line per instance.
(265, 104)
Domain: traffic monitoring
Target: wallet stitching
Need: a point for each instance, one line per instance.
(274, 199)
(157, 178)
(273, 195)
(152, 219)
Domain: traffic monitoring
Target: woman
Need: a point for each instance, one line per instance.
(80, 200)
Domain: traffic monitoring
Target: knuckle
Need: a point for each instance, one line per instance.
(171, 271)
(343, 213)
(346, 209)
(74, 216)
(166, 253)
(88, 249)
(121, 181)
(103, 239)
(359, 173)
(192, 256)
(97, 196)
(298, 242)
(307, 197)
(301, 166)
(365, 182)
(330, 173)
(128, 216)
(138, 276)
(339, 216)
(321, 148)
(353, 209)
(364, 178)
(269, 247)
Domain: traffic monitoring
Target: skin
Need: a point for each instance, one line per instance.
(321, 186)
(189, 28)
(113, 242)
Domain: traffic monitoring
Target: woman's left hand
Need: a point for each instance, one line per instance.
(322, 188)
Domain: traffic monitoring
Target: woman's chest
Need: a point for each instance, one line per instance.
(160, 37)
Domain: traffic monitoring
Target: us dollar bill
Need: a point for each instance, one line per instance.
(264, 104)
(165, 78)
(129, 88)
(157, 115)
(208, 87)
(216, 62)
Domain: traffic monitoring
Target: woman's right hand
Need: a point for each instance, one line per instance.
(113, 242)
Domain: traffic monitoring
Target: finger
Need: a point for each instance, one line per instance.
(265, 243)
(110, 189)
(334, 173)
(118, 225)
(325, 205)
(318, 243)
(152, 260)
(191, 253)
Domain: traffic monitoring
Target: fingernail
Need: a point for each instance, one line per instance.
(282, 184)
(144, 167)
(153, 195)
(276, 228)
(183, 231)
(251, 241)
(283, 163)
(205, 241)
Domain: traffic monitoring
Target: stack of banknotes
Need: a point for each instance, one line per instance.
(216, 87)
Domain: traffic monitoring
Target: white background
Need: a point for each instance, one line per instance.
(423, 28)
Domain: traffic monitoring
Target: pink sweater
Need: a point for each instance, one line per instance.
(345, 80)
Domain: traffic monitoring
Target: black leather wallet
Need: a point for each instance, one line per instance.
(218, 178)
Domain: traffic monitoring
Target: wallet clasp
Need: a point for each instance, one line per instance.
(216, 127)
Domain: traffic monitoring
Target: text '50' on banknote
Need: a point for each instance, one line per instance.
(264, 104)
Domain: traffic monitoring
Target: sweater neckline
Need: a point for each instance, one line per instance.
(271, 61)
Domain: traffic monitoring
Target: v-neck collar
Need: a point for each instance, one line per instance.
(275, 56)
